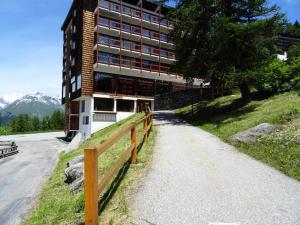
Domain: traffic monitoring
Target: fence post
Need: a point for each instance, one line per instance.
(145, 129)
(134, 142)
(91, 186)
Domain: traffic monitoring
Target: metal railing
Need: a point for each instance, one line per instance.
(133, 30)
(134, 46)
(134, 13)
(132, 63)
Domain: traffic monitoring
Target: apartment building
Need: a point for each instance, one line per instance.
(117, 56)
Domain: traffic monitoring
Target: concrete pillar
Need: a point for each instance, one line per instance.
(115, 105)
(135, 106)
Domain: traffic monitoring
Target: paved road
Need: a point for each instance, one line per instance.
(22, 175)
(196, 179)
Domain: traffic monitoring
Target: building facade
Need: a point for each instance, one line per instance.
(117, 56)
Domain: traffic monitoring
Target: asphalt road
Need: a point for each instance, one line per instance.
(196, 179)
(22, 175)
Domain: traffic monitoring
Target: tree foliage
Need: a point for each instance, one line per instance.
(23, 123)
(225, 39)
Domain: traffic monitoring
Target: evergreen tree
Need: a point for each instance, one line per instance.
(35, 123)
(225, 39)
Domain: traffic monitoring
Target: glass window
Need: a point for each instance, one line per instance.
(126, 10)
(125, 105)
(164, 53)
(145, 88)
(103, 21)
(126, 86)
(105, 83)
(114, 42)
(146, 49)
(126, 27)
(73, 87)
(155, 35)
(163, 37)
(79, 82)
(155, 19)
(164, 22)
(146, 16)
(136, 13)
(115, 7)
(64, 91)
(103, 57)
(136, 30)
(83, 106)
(127, 44)
(146, 33)
(115, 24)
(104, 104)
(104, 40)
(85, 120)
(104, 4)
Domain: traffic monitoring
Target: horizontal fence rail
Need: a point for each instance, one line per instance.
(92, 187)
(8, 148)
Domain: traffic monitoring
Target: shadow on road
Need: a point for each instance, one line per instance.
(164, 118)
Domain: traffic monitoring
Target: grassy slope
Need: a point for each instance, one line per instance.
(228, 115)
(58, 206)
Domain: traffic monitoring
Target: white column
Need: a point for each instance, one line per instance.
(115, 105)
(135, 106)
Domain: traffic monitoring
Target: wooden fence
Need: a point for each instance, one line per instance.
(92, 187)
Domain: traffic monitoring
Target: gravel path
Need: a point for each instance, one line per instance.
(196, 179)
(23, 174)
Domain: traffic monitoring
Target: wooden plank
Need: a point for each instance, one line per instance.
(90, 187)
(140, 121)
(111, 141)
(114, 169)
(134, 143)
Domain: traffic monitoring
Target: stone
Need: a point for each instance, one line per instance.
(75, 143)
(74, 172)
(77, 185)
(76, 160)
(252, 134)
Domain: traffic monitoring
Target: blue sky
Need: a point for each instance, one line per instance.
(31, 43)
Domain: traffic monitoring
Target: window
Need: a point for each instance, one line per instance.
(164, 22)
(125, 105)
(83, 106)
(73, 84)
(104, 22)
(103, 57)
(146, 49)
(127, 44)
(64, 91)
(146, 16)
(115, 24)
(126, 10)
(164, 53)
(136, 30)
(163, 37)
(115, 7)
(145, 88)
(104, 104)
(85, 120)
(105, 83)
(126, 86)
(146, 33)
(126, 27)
(104, 4)
(79, 82)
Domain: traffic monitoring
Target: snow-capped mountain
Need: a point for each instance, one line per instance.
(3, 103)
(34, 105)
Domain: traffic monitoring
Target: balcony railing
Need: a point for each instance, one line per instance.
(134, 13)
(133, 46)
(132, 63)
(133, 30)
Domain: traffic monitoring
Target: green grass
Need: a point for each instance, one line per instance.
(228, 115)
(57, 205)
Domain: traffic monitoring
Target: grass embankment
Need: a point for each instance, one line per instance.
(58, 206)
(228, 115)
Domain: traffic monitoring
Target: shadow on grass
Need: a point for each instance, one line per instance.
(218, 114)
(107, 196)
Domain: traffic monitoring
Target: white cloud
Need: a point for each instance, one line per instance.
(12, 97)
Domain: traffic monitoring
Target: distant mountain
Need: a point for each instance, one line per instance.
(3, 103)
(34, 105)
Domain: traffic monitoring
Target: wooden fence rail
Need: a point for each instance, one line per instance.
(92, 187)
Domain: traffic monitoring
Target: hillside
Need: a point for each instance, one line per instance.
(34, 105)
(228, 115)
